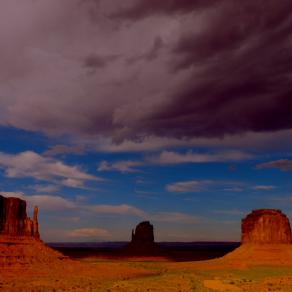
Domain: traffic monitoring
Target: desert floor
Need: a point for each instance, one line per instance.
(96, 274)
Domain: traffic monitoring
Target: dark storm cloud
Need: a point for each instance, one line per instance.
(94, 61)
(151, 55)
(212, 69)
(144, 8)
(245, 57)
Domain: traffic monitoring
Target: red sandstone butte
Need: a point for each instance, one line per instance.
(266, 226)
(20, 244)
(14, 221)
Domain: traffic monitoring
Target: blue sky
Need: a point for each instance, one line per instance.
(186, 196)
(114, 112)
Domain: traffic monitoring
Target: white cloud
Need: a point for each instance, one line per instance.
(124, 166)
(264, 187)
(234, 189)
(232, 212)
(31, 164)
(72, 183)
(123, 209)
(282, 164)
(186, 186)
(171, 157)
(12, 194)
(45, 188)
(63, 149)
(44, 202)
(175, 217)
(50, 203)
(88, 232)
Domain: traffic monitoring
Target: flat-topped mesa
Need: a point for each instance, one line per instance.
(14, 221)
(143, 232)
(266, 226)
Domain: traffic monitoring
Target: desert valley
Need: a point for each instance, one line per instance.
(263, 262)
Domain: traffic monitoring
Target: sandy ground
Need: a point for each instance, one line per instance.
(238, 272)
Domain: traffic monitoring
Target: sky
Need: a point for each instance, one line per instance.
(174, 111)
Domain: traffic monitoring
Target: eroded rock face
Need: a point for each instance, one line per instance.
(142, 243)
(20, 246)
(266, 226)
(143, 232)
(14, 220)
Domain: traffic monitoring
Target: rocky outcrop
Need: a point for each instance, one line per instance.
(20, 244)
(14, 220)
(142, 243)
(266, 226)
(144, 232)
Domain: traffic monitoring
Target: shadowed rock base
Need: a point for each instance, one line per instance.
(260, 254)
(23, 252)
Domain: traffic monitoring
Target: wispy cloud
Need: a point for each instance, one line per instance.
(264, 187)
(63, 149)
(282, 164)
(249, 140)
(177, 217)
(44, 202)
(146, 194)
(41, 189)
(171, 157)
(234, 189)
(232, 212)
(186, 186)
(201, 185)
(124, 166)
(287, 200)
(31, 164)
(88, 233)
(122, 209)
(57, 204)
